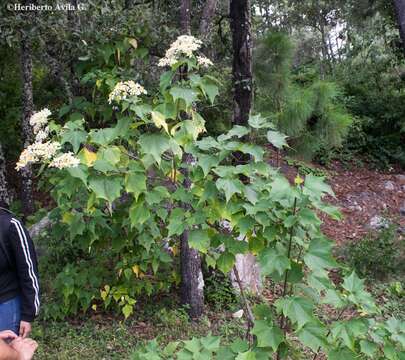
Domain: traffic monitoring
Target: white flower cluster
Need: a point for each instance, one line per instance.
(39, 120)
(204, 61)
(66, 160)
(185, 45)
(125, 89)
(41, 150)
(37, 152)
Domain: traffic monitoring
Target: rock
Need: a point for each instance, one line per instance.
(402, 210)
(401, 179)
(356, 208)
(377, 222)
(389, 185)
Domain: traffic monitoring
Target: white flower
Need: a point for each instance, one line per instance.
(66, 160)
(37, 152)
(185, 45)
(42, 135)
(39, 119)
(125, 89)
(204, 61)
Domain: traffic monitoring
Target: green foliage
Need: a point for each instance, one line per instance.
(313, 115)
(124, 207)
(376, 255)
(218, 291)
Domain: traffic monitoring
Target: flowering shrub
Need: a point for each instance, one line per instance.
(41, 151)
(123, 206)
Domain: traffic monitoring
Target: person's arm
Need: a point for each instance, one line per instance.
(7, 352)
(27, 271)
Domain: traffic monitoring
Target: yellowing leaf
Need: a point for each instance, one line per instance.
(133, 43)
(89, 156)
(67, 217)
(94, 307)
(175, 250)
(103, 294)
(159, 120)
(136, 270)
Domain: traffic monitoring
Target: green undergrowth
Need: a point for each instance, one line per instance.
(104, 337)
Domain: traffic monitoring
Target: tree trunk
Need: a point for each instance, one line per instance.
(192, 283)
(185, 16)
(27, 110)
(400, 11)
(4, 193)
(206, 19)
(242, 60)
(245, 265)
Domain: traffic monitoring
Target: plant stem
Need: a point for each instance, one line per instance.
(249, 313)
(282, 320)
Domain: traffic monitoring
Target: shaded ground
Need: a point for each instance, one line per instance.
(365, 198)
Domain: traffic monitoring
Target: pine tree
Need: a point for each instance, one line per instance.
(309, 114)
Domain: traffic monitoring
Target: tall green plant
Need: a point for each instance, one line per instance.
(309, 114)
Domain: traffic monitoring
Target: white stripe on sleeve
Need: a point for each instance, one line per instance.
(28, 260)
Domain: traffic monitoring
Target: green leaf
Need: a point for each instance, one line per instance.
(103, 136)
(112, 154)
(255, 150)
(248, 355)
(135, 183)
(210, 88)
(199, 240)
(273, 260)
(74, 137)
(316, 186)
(79, 172)
(298, 309)
(348, 331)
(104, 166)
(259, 122)
(207, 162)
(368, 348)
(138, 213)
(170, 348)
(267, 335)
(211, 343)
(155, 145)
(237, 130)
(127, 310)
(230, 187)
(226, 262)
(176, 222)
(342, 354)
(166, 79)
(353, 283)
(313, 335)
(280, 188)
(276, 139)
(319, 255)
(188, 95)
(107, 188)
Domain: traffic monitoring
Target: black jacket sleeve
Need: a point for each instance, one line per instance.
(27, 269)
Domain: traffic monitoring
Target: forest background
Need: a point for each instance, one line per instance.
(327, 75)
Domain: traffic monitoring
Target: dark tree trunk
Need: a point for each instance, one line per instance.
(192, 283)
(207, 19)
(185, 16)
(4, 193)
(27, 110)
(242, 60)
(400, 11)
